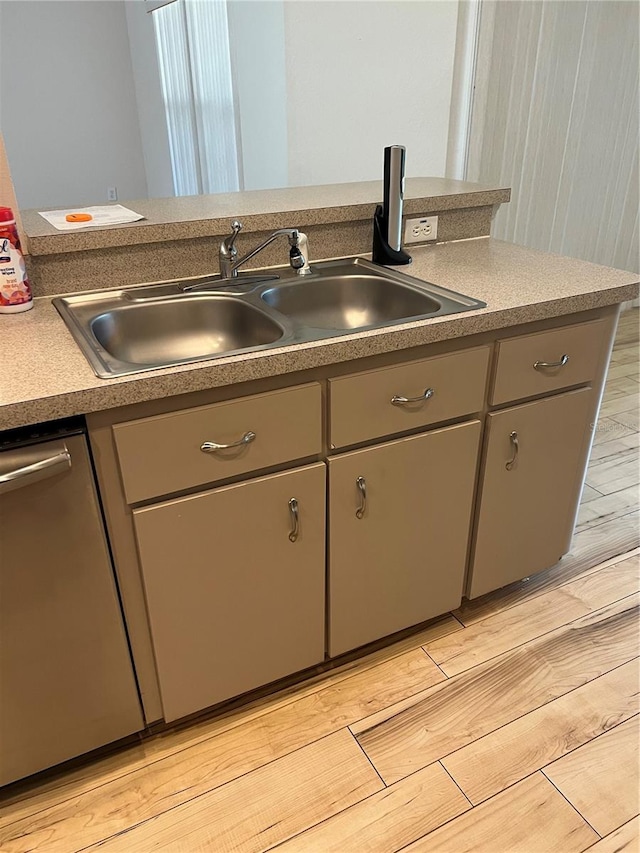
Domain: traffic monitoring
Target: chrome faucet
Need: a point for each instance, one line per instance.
(298, 253)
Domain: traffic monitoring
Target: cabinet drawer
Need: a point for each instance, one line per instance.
(362, 407)
(517, 377)
(164, 454)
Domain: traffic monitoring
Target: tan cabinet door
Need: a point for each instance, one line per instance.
(529, 497)
(233, 602)
(399, 519)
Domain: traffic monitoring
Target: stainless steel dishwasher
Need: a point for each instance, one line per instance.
(66, 679)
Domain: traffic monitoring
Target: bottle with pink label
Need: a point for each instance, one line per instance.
(15, 292)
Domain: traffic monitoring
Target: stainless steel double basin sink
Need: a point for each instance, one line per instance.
(159, 325)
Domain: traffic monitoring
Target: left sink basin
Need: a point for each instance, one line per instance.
(120, 337)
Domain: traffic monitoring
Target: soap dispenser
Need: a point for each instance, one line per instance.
(387, 221)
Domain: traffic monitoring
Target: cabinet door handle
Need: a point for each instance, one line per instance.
(295, 520)
(541, 365)
(513, 437)
(212, 446)
(402, 401)
(361, 483)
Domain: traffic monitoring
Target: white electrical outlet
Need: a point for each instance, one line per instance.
(112, 194)
(421, 230)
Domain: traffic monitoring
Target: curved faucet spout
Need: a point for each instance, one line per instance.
(298, 254)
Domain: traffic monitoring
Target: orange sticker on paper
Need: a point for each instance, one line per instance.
(78, 217)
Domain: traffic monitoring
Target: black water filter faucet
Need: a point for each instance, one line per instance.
(387, 221)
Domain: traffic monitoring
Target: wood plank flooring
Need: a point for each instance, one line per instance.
(589, 777)
(511, 725)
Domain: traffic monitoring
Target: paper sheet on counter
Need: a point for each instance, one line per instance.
(108, 214)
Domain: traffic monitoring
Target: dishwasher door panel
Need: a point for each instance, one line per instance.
(66, 679)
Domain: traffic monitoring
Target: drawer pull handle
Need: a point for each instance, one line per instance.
(361, 483)
(401, 401)
(212, 446)
(541, 365)
(295, 520)
(513, 437)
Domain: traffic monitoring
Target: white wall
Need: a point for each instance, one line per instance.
(364, 75)
(150, 104)
(256, 39)
(55, 57)
(557, 120)
(310, 75)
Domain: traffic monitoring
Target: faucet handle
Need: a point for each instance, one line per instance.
(236, 228)
(227, 252)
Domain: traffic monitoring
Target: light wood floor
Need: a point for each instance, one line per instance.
(508, 726)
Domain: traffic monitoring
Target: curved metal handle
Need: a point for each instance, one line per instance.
(295, 520)
(361, 483)
(513, 437)
(236, 228)
(401, 401)
(30, 471)
(540, 365)
(212, 446)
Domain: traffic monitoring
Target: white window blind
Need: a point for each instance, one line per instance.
(192, 37)
(559, 122)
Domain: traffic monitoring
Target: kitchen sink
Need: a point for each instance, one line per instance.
(128, 330)
(349, 301)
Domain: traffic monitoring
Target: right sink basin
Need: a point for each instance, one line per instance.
(349, 301)
(356, 294)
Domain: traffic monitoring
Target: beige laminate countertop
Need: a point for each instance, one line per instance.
(45, 376)
(188, 217)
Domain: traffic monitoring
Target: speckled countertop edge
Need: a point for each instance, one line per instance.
(46, 377)
(209, 215)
